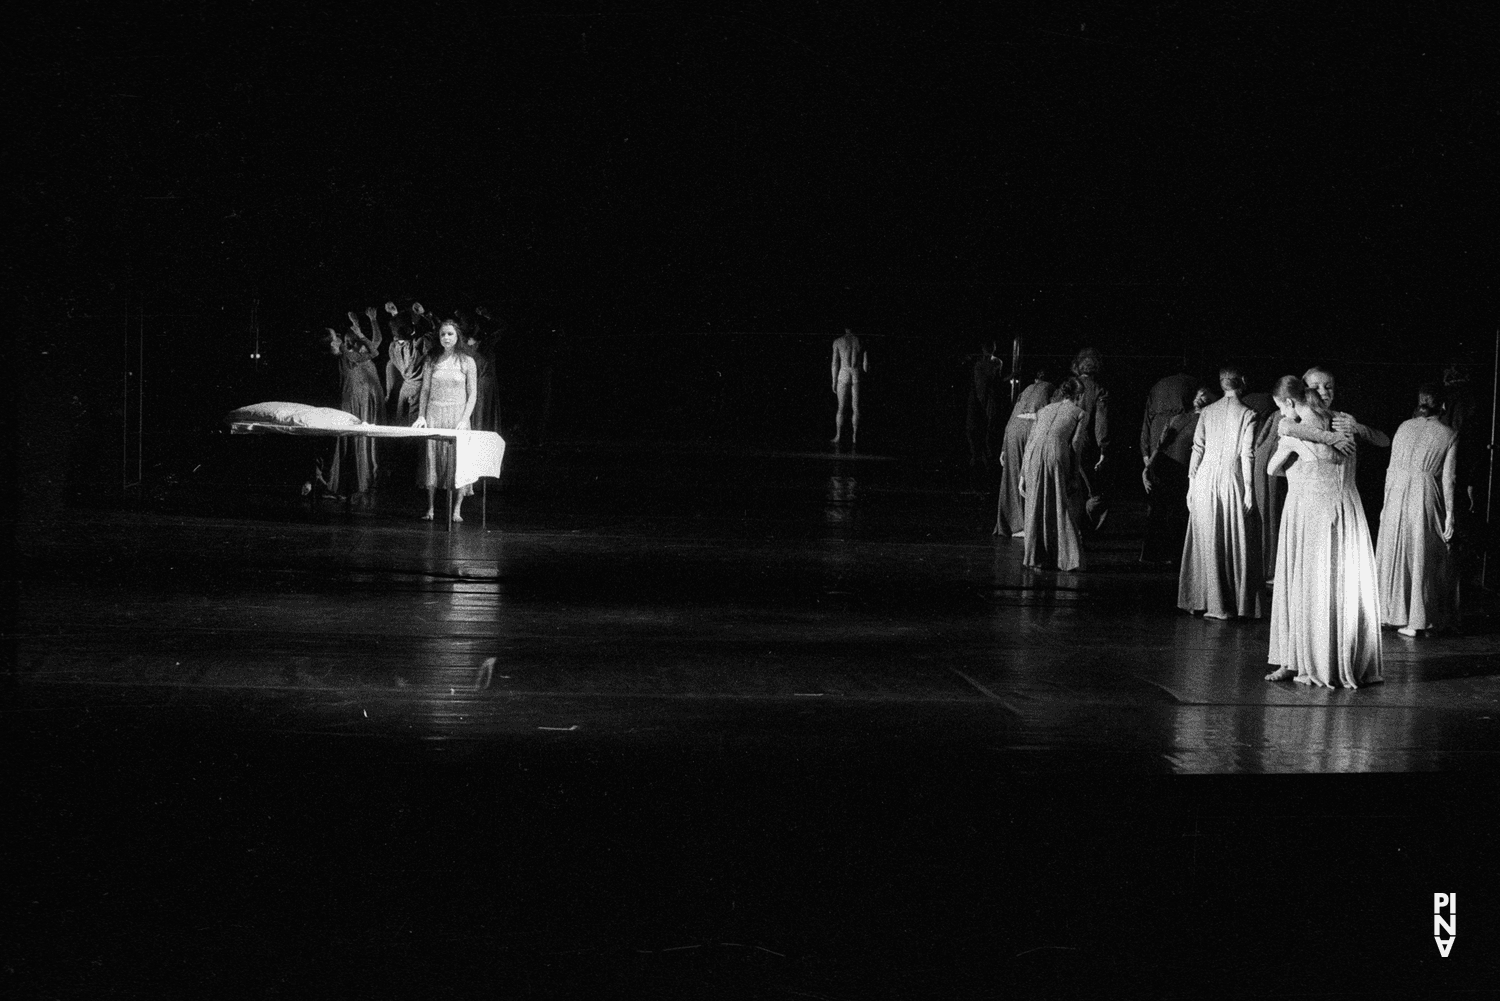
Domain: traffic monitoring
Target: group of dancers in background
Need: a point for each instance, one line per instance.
(438, 373)
(1255, 495)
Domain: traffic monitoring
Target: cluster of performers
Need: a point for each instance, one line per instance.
(1254, 494)
(439, 373)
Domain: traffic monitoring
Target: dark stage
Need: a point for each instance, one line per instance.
(711, 711)
(757, 724)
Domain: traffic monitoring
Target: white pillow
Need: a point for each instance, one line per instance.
(325, 417)
(292, 414)
(267, 413)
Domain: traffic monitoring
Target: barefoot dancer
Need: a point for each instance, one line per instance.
(1325, 615)
(850, 362)
(449, 392)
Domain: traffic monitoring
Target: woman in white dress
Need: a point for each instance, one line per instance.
(1418, 578)
(1325, 615)
(449, 391)
(1221, 575)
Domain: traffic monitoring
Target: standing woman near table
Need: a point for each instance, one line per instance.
(354, 464)
(449, 392)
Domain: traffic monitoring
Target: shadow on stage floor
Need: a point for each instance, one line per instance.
(706, 724)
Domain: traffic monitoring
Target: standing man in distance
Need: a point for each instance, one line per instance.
(850, 362)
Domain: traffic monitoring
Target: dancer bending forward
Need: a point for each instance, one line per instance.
(1054, 484)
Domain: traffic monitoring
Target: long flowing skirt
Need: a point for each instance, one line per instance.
(437, 470)
(1418, 579)
(1054, 512)
(1221, 571)
(1010, 511)
(354, 461)
(1325, 612)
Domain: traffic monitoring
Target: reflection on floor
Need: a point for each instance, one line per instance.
(744, 725)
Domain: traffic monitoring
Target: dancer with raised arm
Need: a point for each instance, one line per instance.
(1418, 572)
(403, 367)
(449, 393)
(354, 461)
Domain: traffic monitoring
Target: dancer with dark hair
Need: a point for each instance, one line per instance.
(1221, 575)
(1418, 574)
(1054, 483)
(1165, 479)
(448, 397)
(1168, 398)
(354, 463)
(1325, 612)
(1010, 511)
(850, 363)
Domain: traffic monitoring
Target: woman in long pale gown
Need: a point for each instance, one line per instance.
(448, 397)
(1010, 513)
(1418, 578)
(1221, 575)
(1325, 613)
(354, 462)
(1054, 484)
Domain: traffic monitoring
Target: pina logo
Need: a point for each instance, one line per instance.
(1445, 926)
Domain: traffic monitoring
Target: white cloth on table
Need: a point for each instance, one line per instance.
(479, 453)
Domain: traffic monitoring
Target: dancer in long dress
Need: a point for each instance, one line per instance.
(850, 363)
(1055, 484)
(1165, 480)
(449, 393)
(1325, 612)
(1418, 575)
(354, 461)
(1168, 398)
(1221, 575)
(1010, 511)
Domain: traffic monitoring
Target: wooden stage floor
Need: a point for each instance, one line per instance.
(699, 724)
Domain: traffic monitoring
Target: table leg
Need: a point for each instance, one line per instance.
(484, 501)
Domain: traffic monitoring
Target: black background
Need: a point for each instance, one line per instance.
(1254, 182)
